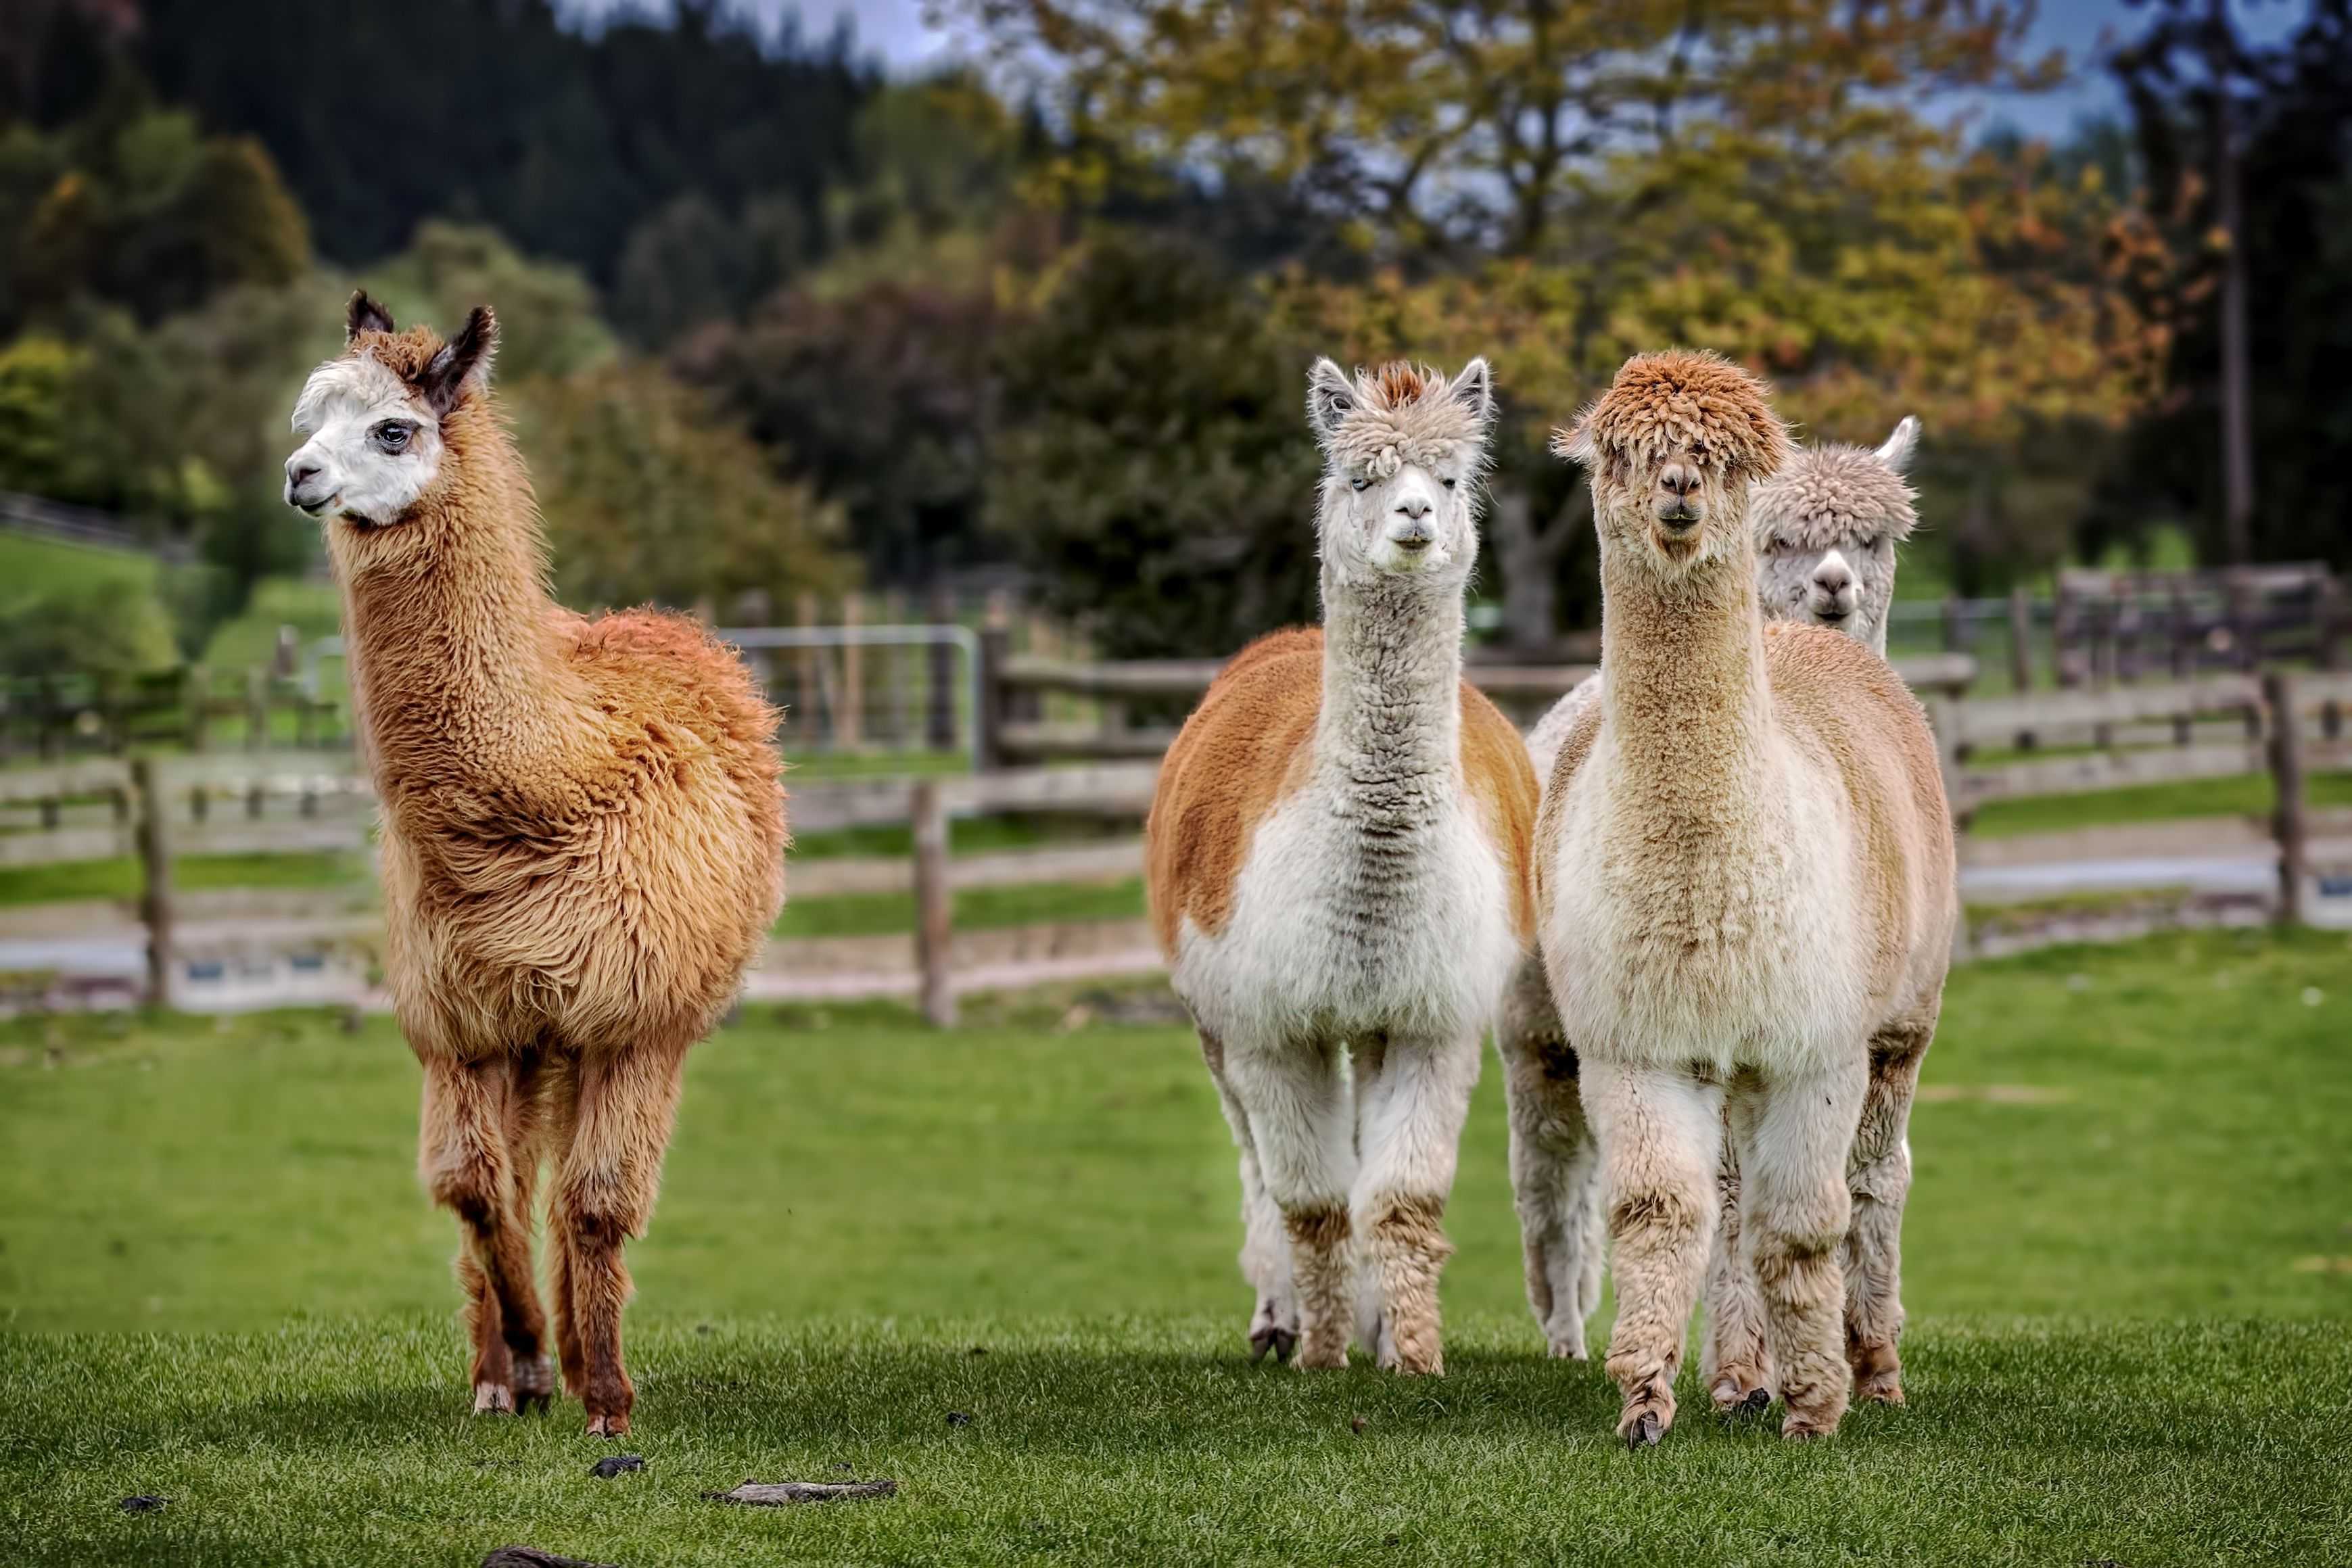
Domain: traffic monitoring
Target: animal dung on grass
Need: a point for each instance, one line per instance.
(781, 1494)
(532, 1557)
(612, 1465)
(144, 1504)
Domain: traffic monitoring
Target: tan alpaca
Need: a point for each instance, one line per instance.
(1338, 863)
(582, 843)
(1745, 888)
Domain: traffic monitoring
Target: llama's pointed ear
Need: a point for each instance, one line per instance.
(1474, 389)
(1330, 398)
(364, 315)
(1903, 445)
(463, 363)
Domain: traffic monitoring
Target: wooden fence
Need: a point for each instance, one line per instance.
(158, 810)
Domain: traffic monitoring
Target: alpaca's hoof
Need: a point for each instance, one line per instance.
(1643, 1431)
(534, 1384)
(1313, 1357)
(1570, 1348)
(493, 1399)
(1272, 1337)
(1731, 1401)
(1804, 1428)
(1884, 1388)
(608, 1425)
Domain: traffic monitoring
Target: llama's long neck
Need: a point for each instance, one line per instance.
(1687, 700)
(1389, 728)
(447, 624)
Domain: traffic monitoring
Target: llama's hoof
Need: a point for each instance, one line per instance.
(534, 1384)
(1731, 1401)
(493, 1399)
(1272, 1337)
(608, 1425)
(1644, 1431)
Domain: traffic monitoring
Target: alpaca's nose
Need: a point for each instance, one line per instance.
(1834, 578)
(1678, 478)
(1415, 506)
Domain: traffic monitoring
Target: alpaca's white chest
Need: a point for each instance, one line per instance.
(1343, 929)
(1737, 944)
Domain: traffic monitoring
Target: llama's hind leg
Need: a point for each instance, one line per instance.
(1659, 1130)
(1293, 1094)
(1555, 1164)
(624, 1106)
(1879, 1177)
(1734, 1360)
(529, 1124)
(469, 1165)
(1266, 1246)
(1795, 1132)
(1413, 1094)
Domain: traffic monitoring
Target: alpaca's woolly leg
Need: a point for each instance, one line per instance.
(1555, 1164)
(1412, 1095)
(466, 1162)
(1295, 1096)
(1879, 1177)
(1734, 1359)
(1795, 1132)
(1659, 1131)
(605, 1194)
(1266, 1246)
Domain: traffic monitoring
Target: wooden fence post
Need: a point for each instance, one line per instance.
(257, 708)
(934, 905)
(155, 864)
(2021, 640)
(2286, 769)
(995, 648)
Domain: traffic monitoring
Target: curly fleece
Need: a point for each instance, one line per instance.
(1831, 495)
(1403, 415)
(1679, 400)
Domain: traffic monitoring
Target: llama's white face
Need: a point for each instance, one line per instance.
(371, 444)
(1403, 452)
(1826, 530)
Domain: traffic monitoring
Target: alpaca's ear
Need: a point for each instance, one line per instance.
(1474, 389)
(463, 362)
(364, 315)
(1903, 445)
(1330, 398)
(1574, 441)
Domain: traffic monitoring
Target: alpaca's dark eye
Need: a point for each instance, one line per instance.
(1449, 484)
(1871, 543)
(1363, 484)
(393, 435)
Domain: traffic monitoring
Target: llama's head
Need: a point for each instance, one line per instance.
(1673, 446)
(1826, 528)
(1403, 450)
(372, 419)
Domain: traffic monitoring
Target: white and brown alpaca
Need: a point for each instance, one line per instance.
(582, 843)
(1826, 526)
(1745, 885)
(1337, 864)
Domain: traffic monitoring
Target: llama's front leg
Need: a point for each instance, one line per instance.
(1879, 1179)
(1293, 1095)
(1266, 1246)
(1555, 1163)
(1659, 1130)
(1795, 1132)
(469, 1165)
(1412, 1094)
(625, 1104)
(1735, 1361)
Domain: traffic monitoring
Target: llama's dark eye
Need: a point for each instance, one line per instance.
(1363, 484)
(393, 435)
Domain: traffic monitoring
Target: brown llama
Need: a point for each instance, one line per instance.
(582, 843)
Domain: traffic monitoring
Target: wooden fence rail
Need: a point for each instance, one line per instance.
(158, 810)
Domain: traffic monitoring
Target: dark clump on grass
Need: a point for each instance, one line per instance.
(784, 1494)
(144, 1504)
(612, 1465)
(531, 1557)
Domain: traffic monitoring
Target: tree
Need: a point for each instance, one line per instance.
(84, 628)
(548, 323)
(1151, 464)
(648, 495)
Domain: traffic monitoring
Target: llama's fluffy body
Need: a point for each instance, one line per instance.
(1337, 857)
(1745, 891)
(583, 841)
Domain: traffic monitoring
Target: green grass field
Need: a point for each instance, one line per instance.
(2130, 1269)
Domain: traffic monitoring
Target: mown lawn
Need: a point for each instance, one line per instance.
(2129, 1267)
(2248, 795)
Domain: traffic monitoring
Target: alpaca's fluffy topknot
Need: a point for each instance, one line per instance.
(1666, 402)
(1830, 495)
(1400, 413)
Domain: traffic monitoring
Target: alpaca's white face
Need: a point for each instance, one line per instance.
(371, 447)
(1846, 586)
(1826, 530)
(1402, 451)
